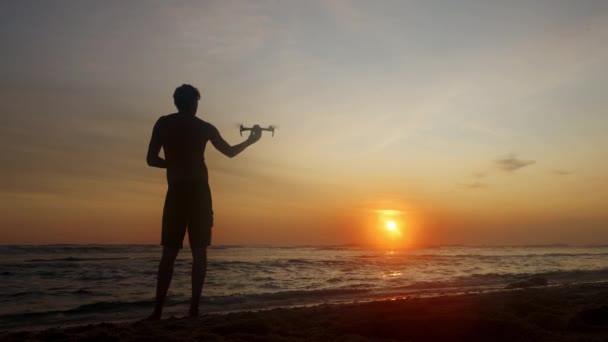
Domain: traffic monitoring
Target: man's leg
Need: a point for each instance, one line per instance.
(165, 273)
(199, 269)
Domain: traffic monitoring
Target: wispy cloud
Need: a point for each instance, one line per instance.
(479, 175)
(513, 163)
(561, 172)
(475, 185)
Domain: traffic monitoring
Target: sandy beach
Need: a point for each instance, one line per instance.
(558, 313)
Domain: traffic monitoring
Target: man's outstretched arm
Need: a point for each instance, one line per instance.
(153, 158)
(230, 151)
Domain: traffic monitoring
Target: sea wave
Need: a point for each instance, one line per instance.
(48, 284)
(105, 307)
(97, 307)
(477, 256)
(74, 259)
(502, 279)
(255, 301)
(67, 292)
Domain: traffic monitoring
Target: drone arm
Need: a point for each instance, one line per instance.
(269, 129)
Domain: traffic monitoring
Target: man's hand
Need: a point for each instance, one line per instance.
(255, 135)
(154, 148)
(230, 151)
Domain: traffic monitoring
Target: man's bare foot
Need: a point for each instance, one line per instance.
(193, 312)
(155, 316)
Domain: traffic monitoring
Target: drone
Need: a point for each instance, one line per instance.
(269, 129)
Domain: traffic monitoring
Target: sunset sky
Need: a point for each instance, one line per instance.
(464, 122)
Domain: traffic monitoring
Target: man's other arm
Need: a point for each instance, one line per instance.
(153, 158)
(230, 151)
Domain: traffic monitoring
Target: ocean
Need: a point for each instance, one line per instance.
(61, 285)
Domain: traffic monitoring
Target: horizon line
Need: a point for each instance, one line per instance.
(360, 245)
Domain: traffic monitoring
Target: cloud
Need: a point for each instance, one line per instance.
(512, 163)
(561, 172)
(475, 185)
(479, 175)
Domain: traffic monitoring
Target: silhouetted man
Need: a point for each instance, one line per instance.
(183, 138)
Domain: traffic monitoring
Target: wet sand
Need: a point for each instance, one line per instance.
(554, 313)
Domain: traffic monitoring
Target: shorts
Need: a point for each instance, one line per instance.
(187, 206)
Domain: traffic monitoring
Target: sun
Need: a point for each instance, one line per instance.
(392, 228)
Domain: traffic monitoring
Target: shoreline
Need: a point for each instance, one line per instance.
(552, 313)
(175, 310)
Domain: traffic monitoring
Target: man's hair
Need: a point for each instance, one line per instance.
(185, 96)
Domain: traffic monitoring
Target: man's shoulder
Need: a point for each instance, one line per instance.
(168, 116)
(176, 117)
(205, 125)
(164, 118)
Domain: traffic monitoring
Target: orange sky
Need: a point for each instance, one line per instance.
(477, 125)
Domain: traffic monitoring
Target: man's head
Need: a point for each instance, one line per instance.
(186, 99)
